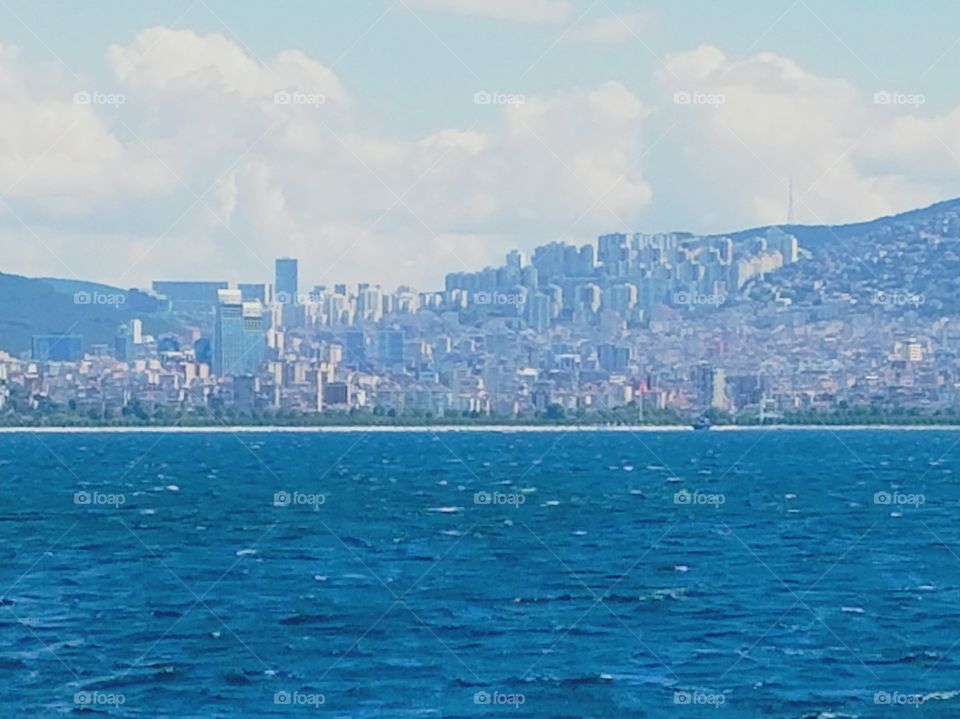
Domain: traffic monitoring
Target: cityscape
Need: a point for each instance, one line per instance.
(467, 359)
(757, 327)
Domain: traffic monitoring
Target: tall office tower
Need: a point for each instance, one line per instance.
(136, 330)
(711, 383)
(228, 334)
(123, 344)
(254, 337)
(287, 286)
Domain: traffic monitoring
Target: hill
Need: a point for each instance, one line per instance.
(42, 306)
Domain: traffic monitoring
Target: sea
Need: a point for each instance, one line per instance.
(761, 573)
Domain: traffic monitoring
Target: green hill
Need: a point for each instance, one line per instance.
(43, 306)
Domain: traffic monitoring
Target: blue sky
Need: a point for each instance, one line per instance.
(797, 82)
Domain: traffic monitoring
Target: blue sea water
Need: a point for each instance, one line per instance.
(721, 574)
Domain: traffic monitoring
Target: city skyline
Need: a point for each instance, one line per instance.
(462, 358)
(760, 326)
(591, 118)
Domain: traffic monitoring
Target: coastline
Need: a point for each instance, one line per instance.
(503, 429)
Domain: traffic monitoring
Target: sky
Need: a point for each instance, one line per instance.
(393, 141)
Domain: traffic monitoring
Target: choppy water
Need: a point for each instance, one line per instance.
(595, 575)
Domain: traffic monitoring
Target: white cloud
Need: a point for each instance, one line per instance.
(548, 11)
(161, 59)
(745, 128)
(612, 29)
(59, 154)
(253, 179)
(226, 179)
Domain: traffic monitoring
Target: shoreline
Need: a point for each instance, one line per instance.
(503, 429)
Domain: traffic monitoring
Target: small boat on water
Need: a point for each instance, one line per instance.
(701, 423)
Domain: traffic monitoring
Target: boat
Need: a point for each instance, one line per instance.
(701, 423)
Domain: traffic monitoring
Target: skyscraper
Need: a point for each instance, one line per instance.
(254, 336)
(228, 333)
(287, 286)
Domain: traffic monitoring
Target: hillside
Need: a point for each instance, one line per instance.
(40, 306)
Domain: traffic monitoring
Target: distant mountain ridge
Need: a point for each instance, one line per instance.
(813, 235)
(45, 305)
(35, 306)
